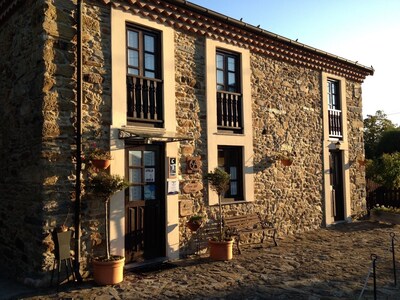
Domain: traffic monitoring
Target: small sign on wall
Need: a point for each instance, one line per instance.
(185, 208)
(193, 164)
(171, 167)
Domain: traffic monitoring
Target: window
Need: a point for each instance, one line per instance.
(144, 84)
(334, 109)
(229, 98)
(228, 76)
(230, 160)
(143, 53)
(333, 95)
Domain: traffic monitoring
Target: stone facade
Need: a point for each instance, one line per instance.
(38, 91)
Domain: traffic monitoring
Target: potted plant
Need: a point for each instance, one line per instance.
(107, 269)
(195, 222)
(221, 247)
(286, 159)
(100, 158)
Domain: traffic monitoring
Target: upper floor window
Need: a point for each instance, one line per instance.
(230, 160)
(144, 82)
(333, 95)
(334, 109)
(229, 97)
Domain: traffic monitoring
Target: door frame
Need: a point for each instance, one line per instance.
(337, 200)
(161, 195)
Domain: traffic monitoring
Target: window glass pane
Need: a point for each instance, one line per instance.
(220, 77)
(232, 172)
(150, 192)
(149, 61)
(220, 61)
(135, 175)
(132, 71)
(132, 39)
(150, 74)
(133, 58)
(231, 64)
(135, 158)
(149, 43)
(135, 193)
(233, 189)
(220, 87)
(231, 79)
(149, 158)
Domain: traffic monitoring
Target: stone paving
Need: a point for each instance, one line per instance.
(324, 264)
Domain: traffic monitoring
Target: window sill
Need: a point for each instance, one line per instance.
(232, 202)
(229, 133)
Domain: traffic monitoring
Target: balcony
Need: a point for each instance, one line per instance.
(335, 123)
(229, 111)
(144, 100)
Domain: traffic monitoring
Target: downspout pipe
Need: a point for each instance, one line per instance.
(78, 184)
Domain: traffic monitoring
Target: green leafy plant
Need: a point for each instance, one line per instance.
(105, 185)
(381, 208)
(98, 153)
(385, 170)
(198, 219)
(219, 181)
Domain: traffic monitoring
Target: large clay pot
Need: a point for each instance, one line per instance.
(108, 272)
(221, 250)
(101, 163)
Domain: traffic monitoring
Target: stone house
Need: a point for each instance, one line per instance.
(173, 90)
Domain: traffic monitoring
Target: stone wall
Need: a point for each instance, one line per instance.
(22, 123)
(38, 92)
(287, 117)
(37, 138)
(356, 148)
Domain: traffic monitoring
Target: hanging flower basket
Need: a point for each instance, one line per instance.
(101, 163)
(286, 162)
(362, 162)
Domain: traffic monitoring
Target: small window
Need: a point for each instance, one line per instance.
(229, 97)
(333, 95)
(144, 82)
(143, 53)
(334, 109)
(228, 71)
(230, 160)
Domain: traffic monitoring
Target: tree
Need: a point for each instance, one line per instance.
(389, 142)
(374, 127)
(386, 170)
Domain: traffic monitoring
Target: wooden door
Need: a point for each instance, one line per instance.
(145, 203)
(336, 181)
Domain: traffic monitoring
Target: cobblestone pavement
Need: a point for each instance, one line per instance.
(324, 264)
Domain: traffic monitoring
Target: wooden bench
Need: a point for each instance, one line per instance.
(237, 225)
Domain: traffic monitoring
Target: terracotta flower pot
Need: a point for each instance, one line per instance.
(221, 250)
(108, 272)
(286, 162)
(193, 226)
(101, 163)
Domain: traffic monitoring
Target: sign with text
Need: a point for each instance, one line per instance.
(172, 167)
(149, 175)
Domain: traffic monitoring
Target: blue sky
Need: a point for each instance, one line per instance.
(367, 31)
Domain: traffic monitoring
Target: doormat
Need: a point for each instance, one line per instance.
(153, 268)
